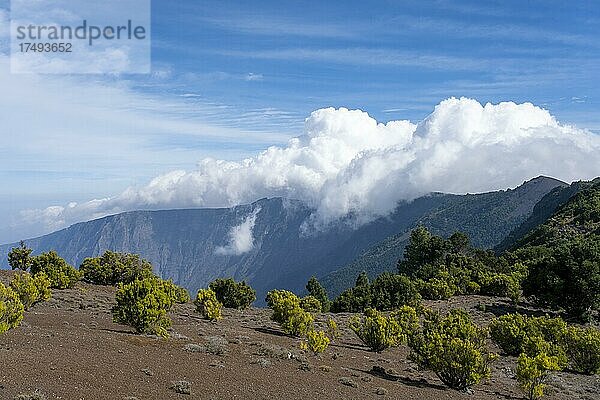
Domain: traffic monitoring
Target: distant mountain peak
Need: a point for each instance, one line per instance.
(542, 179)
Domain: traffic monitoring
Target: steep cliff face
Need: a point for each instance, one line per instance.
(265, 244)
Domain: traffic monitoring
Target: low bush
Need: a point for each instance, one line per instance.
(316, 341)
(112, 268)
(177, 293)
(59, 272)
(532, 372)
(11, 309)
(516, 334)
(143, 304)
(502, 285)
(438, 288)
(207, 304)
(453, 348)
(583, 349)
(288, 313)
(508, 332)
(390, 291)
(233, 294)
(333, 332)
(379, 332)
(310, 304)
(30, 289)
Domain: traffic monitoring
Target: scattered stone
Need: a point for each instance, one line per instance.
(273, 351)
(325, 368)
(36, 395)
(263, 362)
(194, 348)
(216, 345)
(344, 380)
(181, 387)
(305, 367)
(217, 364)
(381, 391)
(178, 336)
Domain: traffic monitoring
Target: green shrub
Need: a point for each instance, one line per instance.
(178, 294)
(60, 274)
(502, 285)
(315, 289)
(182, 296)
(379, 332)
(11, 309)
(355, 299)
(207, 304)
(407, 318)
(391, 291)
(508, 332)
(20, 257)
(30, 289)
(583, 349)
(143, 304)
(333, 332)
(310, 304)
(316, 341)
(532, 372)
(112, 268)
(516, 334)
(438, 288)
(453, 348)
(233, 294)
(288, 313)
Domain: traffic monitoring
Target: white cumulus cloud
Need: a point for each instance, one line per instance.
(346, 163)
(241, 239)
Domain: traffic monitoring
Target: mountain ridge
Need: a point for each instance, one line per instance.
(182, 243)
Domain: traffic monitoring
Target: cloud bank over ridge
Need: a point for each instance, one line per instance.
(348, 163)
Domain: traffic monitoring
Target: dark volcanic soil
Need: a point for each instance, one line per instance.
(69, 348)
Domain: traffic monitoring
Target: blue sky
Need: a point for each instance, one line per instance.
(232, 78)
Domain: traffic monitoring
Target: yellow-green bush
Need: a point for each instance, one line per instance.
(379, 332)
(11, 309)
(583, 349)
(333, 332)
(30, 289)
(288, 313)
(316, 341)
(502, 285)
(440, 287)
(177, 293)
(453, 348)
(207, 304)
(143, 304)
(233, 294)
(61, 274)
(516, 333)
(532, 372)
(508, 332)
(112, 268)
(310, 304)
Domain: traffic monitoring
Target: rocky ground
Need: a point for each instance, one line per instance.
(69, 348)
